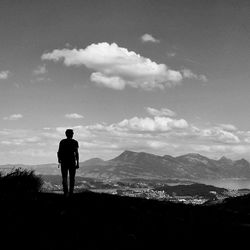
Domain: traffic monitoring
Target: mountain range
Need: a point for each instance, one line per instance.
(131, 164)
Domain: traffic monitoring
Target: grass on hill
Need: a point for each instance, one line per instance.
(20, 181)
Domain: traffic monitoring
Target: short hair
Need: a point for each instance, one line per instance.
(69, 132)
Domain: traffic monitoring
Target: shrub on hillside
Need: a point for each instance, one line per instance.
(20, 181)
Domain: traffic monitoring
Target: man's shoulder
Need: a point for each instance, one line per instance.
(75, 141)
(63, 140)
(69, 142)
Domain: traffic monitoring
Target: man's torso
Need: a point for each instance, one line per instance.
(67, 151)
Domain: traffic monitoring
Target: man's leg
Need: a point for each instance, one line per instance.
(64, 171)
(72, 173)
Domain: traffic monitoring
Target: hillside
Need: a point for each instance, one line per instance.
(100, 221)
(131, 164)
(191, 166)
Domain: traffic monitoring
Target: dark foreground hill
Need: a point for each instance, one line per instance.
(100, 221)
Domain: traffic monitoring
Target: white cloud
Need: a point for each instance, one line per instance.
(114, 82)
(33, 153)
(40, 70)
(13, 117)
(218, 135)
(230, 150)
(187, 73)
(156, 124)
(161, 112)
(149, 38)
(228, 127)
(4, 74)
(158, 134)
(21, 141)
(202, 78)
(228, 137)
(171, 54)
(157, 144)
(13, 142)
(74, 116)
(116, 67)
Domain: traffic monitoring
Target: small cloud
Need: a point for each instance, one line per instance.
(47, 128)
(114, 82)
(40, 70)
(157, 124)
(13, 117)
(156, 144)
(17, 85)
(73, 116)
(219, 135)
(187, 73)
(149, 38)
(41, 79)
(4, 74)
(171, 54)
(161, 112)
(203, 78)
(68, 45)
(228, 127)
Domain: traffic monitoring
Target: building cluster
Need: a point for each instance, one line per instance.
(145, 191)
(148, 193)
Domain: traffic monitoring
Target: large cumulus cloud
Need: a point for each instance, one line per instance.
(116, 67)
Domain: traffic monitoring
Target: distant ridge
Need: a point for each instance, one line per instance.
(130, 164)
(93, 161)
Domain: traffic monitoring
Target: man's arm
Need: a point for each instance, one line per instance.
(77, 156)
(59, 153)
(77, 159)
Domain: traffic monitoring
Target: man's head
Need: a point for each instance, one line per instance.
(69, 133)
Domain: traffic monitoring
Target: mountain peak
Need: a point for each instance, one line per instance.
(243, 162)
(225, 159)
(193, 155)
(131, 156)
(96, 159)
(125, 155)
(126, 152)
(92, 161)
(194, 158)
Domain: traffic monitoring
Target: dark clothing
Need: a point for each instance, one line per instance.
(67, 151)
(72, 172)
(68, 157)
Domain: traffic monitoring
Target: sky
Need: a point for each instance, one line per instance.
(163, 77)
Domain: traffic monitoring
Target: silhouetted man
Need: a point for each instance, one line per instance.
(68, 157)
